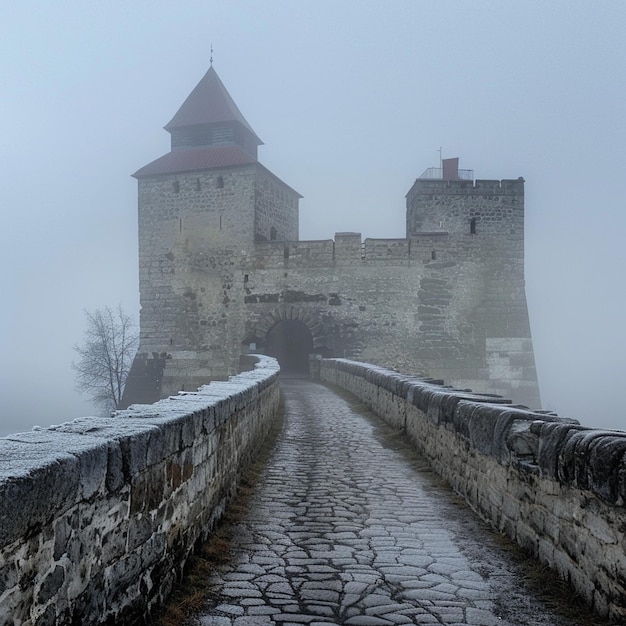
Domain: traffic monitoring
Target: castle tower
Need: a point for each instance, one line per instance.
(483, 223)
(201, 207)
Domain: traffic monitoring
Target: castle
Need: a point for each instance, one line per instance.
(222, 271)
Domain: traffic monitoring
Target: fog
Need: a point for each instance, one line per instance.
(353, 100)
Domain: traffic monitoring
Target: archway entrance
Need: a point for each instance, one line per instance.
(290, 342)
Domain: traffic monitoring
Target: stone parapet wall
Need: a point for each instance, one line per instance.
(550, 484)
(343, 252)
(98, 515)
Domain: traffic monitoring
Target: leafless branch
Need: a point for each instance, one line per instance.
(105, 356)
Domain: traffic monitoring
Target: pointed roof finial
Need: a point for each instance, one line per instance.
(211, 59)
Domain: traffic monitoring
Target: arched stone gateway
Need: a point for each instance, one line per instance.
(291, 334)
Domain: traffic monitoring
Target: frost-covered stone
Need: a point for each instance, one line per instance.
(98, 515)
(554, 486)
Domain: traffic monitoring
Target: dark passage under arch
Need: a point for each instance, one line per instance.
(290, 342)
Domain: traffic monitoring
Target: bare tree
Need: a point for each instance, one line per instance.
(106, 355)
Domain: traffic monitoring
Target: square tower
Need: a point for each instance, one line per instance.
(201, 207)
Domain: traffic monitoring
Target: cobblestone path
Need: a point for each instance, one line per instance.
(347, 527)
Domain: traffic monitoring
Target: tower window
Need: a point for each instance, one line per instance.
(273, 234)
(219, 183)
(198, 186)
(176, 186)
(473, 226)
(433, 255)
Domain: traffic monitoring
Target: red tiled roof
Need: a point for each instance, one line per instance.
(192, 160)
(208, 103)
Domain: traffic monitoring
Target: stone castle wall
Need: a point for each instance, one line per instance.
(551, 485)
(99, 515)
(391, 302)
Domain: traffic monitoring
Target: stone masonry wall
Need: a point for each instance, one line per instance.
(550, 484)
(98, 515)
(188, 225)
(276, 208)
(425, 304)
(496, 207)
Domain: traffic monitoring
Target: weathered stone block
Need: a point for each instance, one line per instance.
(50, 584)
(44, 482)
(545, 552)
(510, 507)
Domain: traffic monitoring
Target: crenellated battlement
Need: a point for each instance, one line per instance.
(345, 250)
(465, 187)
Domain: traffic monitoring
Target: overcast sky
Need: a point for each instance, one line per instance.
(353, 100)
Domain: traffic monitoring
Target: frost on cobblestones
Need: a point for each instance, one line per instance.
(344, 529)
